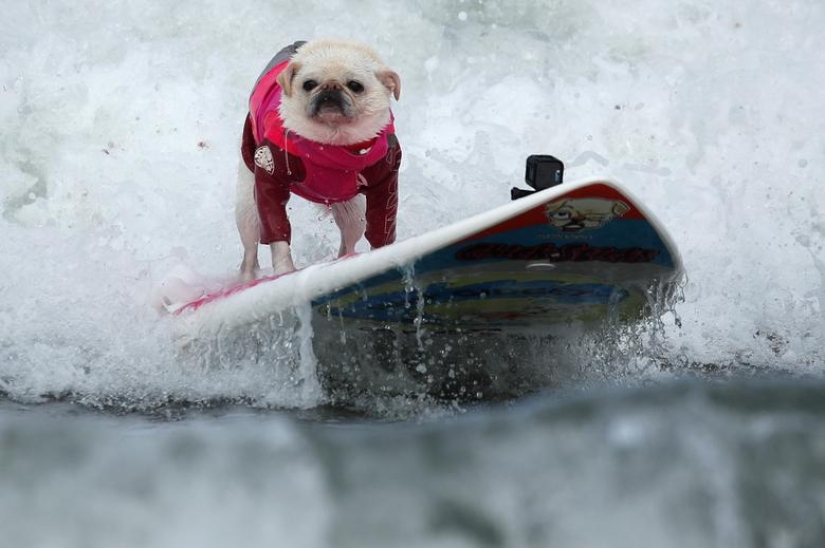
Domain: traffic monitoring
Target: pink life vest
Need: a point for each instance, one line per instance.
(331, 170)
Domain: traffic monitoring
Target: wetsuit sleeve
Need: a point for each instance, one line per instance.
(271, 197)
(248, 145)
(382, 196)
(271, 191)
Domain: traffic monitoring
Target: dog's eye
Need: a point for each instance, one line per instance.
(309, 85)
(355, 86)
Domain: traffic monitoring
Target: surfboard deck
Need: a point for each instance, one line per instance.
(575, 253)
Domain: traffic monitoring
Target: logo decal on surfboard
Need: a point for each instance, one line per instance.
(575, 214)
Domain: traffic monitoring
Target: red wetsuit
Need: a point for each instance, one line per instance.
(285, 163)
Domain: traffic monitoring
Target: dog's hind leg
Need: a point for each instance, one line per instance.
(350, 216)
(246, 218)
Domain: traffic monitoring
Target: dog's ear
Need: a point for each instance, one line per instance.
(287, 76)
(391, 81)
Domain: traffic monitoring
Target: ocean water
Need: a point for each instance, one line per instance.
(703, 427)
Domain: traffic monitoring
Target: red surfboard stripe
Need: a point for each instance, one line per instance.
(537, 216)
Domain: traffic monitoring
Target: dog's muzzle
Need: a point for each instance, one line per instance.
(330, 102)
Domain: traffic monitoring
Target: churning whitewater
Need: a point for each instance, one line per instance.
(121, 124)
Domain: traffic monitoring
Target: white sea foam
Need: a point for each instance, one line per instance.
(119, 149)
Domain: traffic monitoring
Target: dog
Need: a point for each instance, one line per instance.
(319, 126)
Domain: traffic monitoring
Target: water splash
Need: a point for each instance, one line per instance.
(412, 288)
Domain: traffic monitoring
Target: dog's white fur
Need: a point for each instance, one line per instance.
(332, 64)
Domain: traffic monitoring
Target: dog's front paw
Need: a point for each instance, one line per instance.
(281, 258)
(246, 276)
(284, 270)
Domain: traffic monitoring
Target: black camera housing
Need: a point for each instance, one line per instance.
(542, 172)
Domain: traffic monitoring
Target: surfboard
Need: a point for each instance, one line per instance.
(455, 310)
(575, 253)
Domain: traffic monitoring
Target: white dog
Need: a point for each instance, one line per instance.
(319, 126)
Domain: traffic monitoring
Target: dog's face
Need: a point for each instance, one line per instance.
(337, 92)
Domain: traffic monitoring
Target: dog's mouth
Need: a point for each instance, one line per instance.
(330, 106)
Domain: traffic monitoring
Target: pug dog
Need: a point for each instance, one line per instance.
(319, 126)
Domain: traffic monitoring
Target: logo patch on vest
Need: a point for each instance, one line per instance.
(263, 159)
